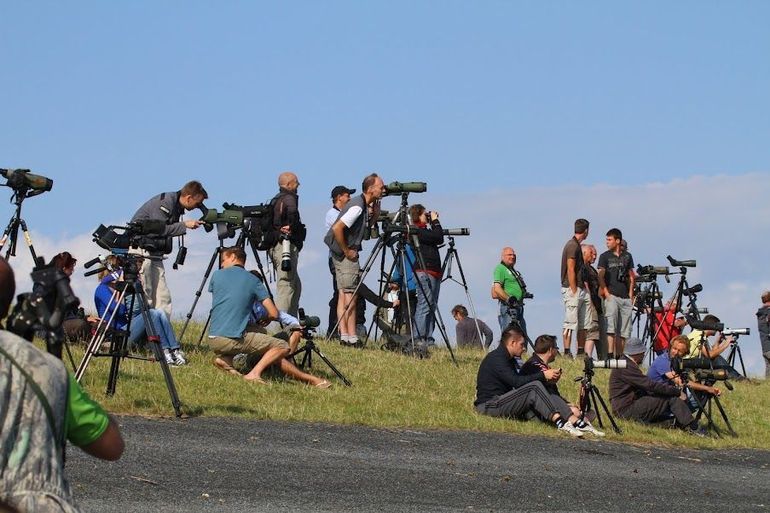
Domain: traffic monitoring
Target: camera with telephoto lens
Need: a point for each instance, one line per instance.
(308, 323)
(609, 363)
(22, 181)
(701, 369)
(700, 325)
(680, 263)
(736, 332)
(456, 232)
(285, 253)
(398, 188)
(254, 219)
(652, 270)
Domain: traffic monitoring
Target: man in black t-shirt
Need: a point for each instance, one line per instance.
(616, 287)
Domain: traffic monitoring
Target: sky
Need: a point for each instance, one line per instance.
(520, 116)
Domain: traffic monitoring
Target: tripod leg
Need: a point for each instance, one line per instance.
(606, 410)
(28, 238)
(331, 365)
(453, 252)
(740, 358)
(203, 332)
(198, 292)
(118, 351)
(724, 417)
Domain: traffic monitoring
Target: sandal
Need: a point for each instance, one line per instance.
(323, 384)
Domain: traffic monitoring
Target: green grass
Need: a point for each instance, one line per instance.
(389, 390)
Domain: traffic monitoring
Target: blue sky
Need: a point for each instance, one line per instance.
(119, 101)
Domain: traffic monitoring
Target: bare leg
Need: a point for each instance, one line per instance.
(293, 372)
(270, 357)
(589, 348)
(567, 337)
(610, 345)
(581, 339)
(343, 299)
(620, 345)
(294, 339)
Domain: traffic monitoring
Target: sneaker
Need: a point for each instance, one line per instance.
(178, 356)
(699, 431)
(571, 430)
(588, 428)
(568, 355)
(168, 357)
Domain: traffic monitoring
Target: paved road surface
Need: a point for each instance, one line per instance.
(206, 464)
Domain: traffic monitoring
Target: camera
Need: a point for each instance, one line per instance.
(308, 322)
(146, 234)
(21, 180)
(652, 270)
(44, 308)
(693, 290)
(735, 332)
(397, 188)
(285, 253)
(680, 263)
(455, 232)
(609, 363)
(255, 219)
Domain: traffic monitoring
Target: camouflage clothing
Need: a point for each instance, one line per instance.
(31, 440)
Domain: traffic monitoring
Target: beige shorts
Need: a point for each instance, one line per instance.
(254, 341)
(574, 309)
(346, 273)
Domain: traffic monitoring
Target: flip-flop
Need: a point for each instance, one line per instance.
(226, 367)
(323, 384)
(257, 380)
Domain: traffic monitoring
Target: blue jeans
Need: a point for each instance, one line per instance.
(504, 318)
(161, 324)
(427, 296)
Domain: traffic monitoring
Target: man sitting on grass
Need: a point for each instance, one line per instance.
(234, 291)
(545, 353)
(502, 391)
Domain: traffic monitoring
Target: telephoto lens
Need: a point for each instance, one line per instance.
(286, 255)
(606, 364)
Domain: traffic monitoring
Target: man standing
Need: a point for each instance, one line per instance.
(340, 198)
(41, 405)
(344, 240)
(508, 289)
(502, 391)
(427, 270)
(167, 207)
(468, 328)
(763, 326)
(595, 332)
(234, 291)
(288, 227)
(616, 286)
(572, 292)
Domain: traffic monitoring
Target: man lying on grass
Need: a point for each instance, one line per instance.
(501, 391)
(234, 291)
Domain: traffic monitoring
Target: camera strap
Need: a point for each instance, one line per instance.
(58, 436)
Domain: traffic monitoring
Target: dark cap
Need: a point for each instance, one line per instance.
(341, 189)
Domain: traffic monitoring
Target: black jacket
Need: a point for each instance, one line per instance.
(498, 374)
(629, 384)
(763, 326)
(430, 240)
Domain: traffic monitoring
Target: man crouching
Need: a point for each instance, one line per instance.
(501, 391)
(234, 291)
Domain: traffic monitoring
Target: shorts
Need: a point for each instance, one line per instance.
(254, 341)
(346, 273)
(618, 312)
(592, 320)
(574, 309)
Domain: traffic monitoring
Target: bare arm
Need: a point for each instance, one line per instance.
(109, 446)
(571, 276)
(338, 229)
(498, 292)
(603, 291)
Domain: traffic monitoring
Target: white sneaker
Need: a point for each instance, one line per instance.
(179, 358)
(588, 428)
(571, 430)
(168, 357)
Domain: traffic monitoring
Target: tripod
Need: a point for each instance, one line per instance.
(590, 395)
(239, 242)
(310, 347)
(12, 230)
(705, 408)
(735, 349)
(446, 271)
(119, 340)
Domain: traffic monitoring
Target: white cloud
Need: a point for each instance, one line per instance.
(720, 221)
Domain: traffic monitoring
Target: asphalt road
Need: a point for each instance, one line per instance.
(206, 464)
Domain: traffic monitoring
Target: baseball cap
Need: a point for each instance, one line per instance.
(341, 189)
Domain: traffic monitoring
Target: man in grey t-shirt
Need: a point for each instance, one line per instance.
(616, 287)
(572, 291)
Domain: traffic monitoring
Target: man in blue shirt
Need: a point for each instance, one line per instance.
(661, 372)
(234, 291)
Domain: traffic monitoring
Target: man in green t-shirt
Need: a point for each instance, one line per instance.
(509, 290)
(41, 405)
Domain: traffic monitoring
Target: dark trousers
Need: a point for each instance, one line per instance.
(523, 402)
(651, 409)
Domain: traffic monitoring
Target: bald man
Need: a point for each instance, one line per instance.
(287, 225)
(508, 289)
(41, 404)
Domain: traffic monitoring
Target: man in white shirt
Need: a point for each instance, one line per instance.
(340, 198)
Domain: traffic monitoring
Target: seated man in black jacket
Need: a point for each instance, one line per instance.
(635, 396)
(501, 391)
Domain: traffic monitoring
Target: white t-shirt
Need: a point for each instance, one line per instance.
(352, 215)
(331, 217)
